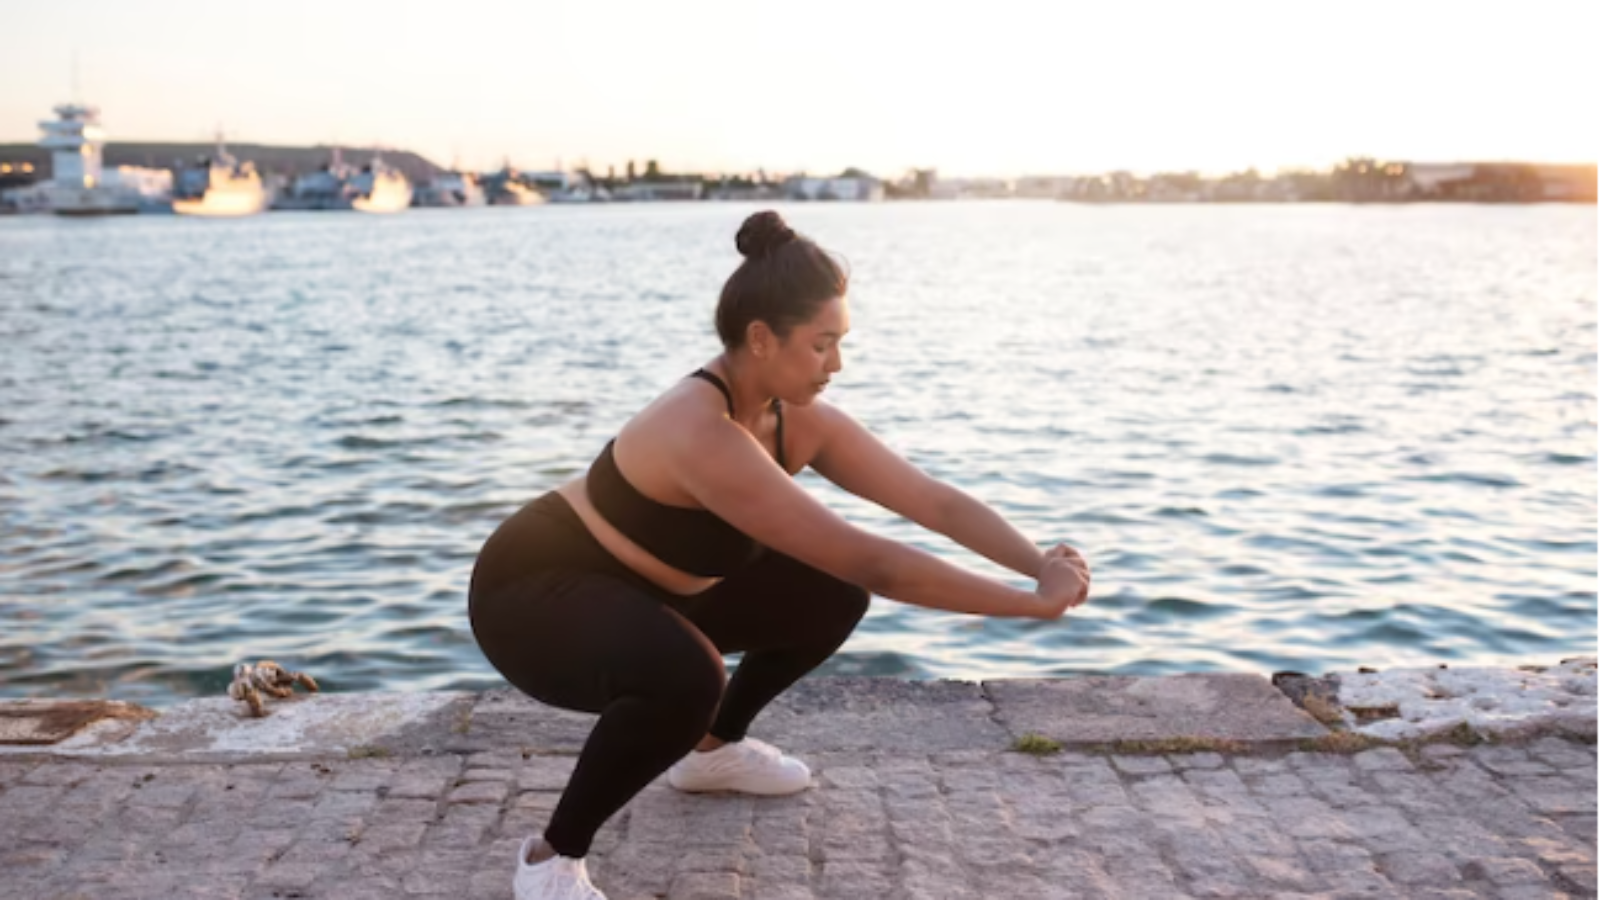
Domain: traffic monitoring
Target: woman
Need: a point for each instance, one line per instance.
(618, 592)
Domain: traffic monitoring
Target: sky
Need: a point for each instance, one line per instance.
(996, 88)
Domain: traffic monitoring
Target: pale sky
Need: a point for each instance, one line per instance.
(992, 88)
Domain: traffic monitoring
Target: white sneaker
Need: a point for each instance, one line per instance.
(557, 878)
(747, 767)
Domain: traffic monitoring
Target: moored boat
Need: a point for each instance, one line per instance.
(232, 188)
(380, 188)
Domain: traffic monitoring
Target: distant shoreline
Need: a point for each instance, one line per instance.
(1357, 180)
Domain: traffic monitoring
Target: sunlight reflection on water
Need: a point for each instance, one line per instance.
(1287, 437)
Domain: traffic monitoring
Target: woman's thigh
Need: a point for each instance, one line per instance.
(777, 602)
(579, 640)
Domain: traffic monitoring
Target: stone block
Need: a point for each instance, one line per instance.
(1100, 709)
(1506, 871)
(1419, 868)
(705, 886)
(545, 773)
(1509, 760)
(1382, 759)
(1141, 765)
(479, 792)
(882, 714)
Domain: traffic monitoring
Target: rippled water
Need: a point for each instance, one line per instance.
(1287, 437)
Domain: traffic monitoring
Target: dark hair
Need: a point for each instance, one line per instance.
(784, 278)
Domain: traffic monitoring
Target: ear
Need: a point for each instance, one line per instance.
(760, 339)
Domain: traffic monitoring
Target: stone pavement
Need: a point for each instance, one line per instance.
(918, 795)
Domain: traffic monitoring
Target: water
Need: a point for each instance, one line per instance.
(1304, 437)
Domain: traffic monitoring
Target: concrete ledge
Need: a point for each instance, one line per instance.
(1241, 708)
(884, 714)
(221, 730)
(46, 722)
(916, 794)
(820, 715)
(817, 715)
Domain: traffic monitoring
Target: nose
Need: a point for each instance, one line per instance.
(835, 361)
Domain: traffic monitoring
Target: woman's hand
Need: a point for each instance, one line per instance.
(1063, 581)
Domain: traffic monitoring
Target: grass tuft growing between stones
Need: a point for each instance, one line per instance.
(366, 751)
(1036, 745)
(1345, 742)
(1462, 735)
(1321, 710)
(1175, 745)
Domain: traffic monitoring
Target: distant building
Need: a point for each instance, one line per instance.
(1176, 187)
(30, 198)
(855, 188)
(915, 184)
(969, 188)
(747, 192)
(1437, 179)
(17, 173)
(658, 190)
(1570, 183)
(20, 188)
(1043, 187)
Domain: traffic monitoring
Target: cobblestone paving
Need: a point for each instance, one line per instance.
(1492, 821)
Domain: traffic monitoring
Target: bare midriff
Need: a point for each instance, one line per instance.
(668, 578)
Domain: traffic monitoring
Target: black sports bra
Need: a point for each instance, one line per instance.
(696, 541)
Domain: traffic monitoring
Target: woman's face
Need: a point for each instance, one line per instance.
(803, 363)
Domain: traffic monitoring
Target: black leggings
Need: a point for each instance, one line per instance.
(568, 624)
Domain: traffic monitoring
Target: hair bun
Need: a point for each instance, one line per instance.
(762, 233)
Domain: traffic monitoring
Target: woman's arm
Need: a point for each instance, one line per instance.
(854, 459)
(977, 527)
(728, 473)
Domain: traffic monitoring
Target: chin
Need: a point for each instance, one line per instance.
(804, 397)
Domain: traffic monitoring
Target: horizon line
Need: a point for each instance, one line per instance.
(380, 148)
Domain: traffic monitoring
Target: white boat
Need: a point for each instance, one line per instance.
(327, 188)
(88, 201)
(567, 187)
(232, 189)
(380, 188)
(515, 193)
(452, 189)
(583, 191)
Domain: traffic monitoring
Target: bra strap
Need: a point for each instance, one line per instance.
(727, 395)
(777, 407)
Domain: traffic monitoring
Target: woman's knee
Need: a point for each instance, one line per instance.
(691, 687)
(835, 605)
(847, 600)
(847, 605)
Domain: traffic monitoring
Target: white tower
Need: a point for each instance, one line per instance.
(77, 140)
(80, 188)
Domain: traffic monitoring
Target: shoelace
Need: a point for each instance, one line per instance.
(576, 874)
(761, 748)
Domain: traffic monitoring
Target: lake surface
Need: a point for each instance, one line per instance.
(1287, 437)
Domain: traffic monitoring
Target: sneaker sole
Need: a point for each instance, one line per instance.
(776, 792)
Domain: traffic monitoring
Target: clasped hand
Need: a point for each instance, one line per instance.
(1063, 581)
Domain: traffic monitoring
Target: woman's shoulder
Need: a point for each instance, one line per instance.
(688, 405)
(811, 427)
(819, 413)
